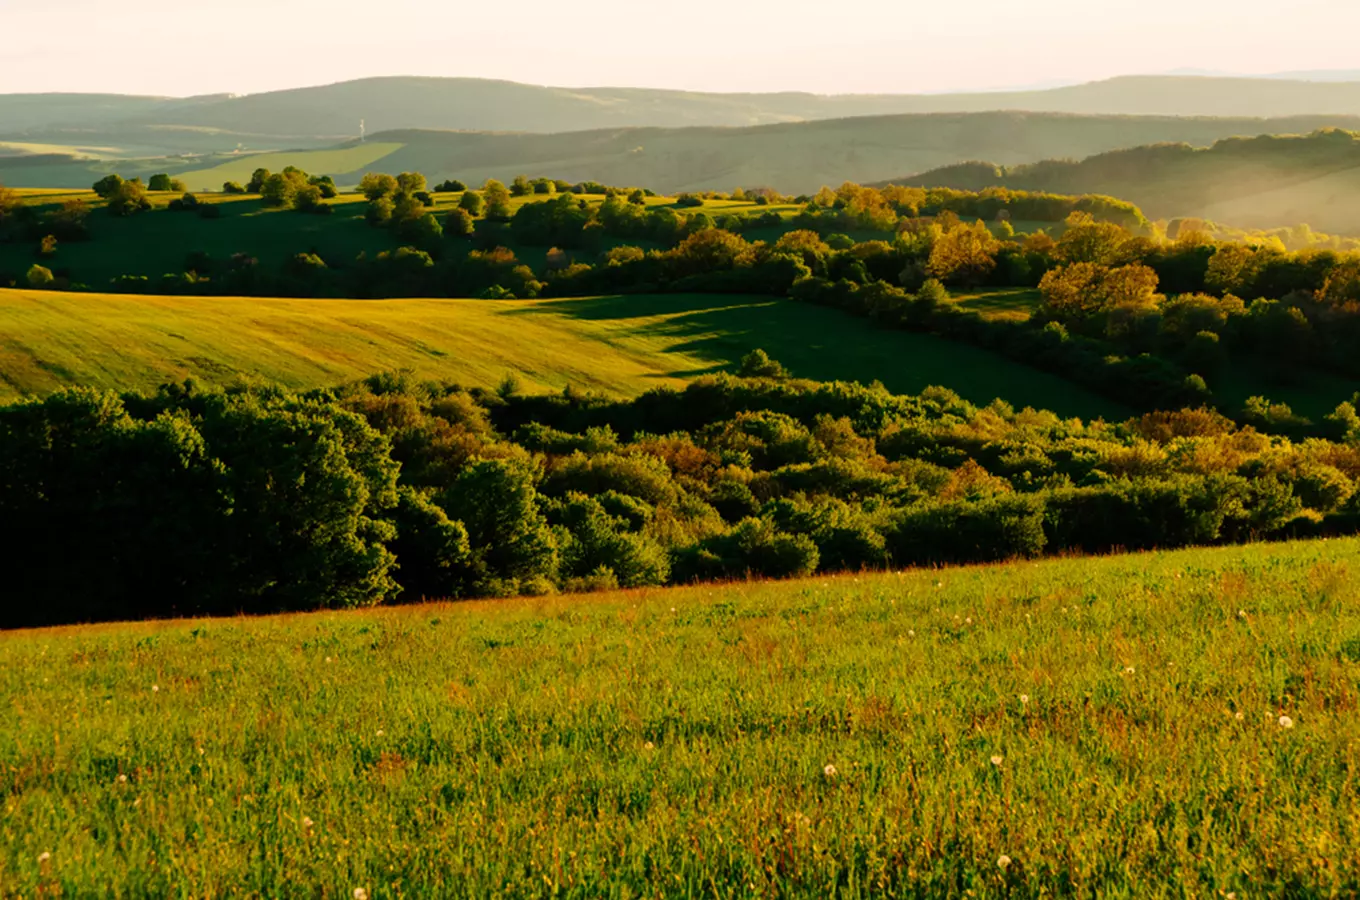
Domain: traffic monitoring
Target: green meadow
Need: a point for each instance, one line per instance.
(621, 345)
(1167, 725)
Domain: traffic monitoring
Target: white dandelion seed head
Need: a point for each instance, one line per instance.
(829, 771)
(307, 822)
(1286, 722)
(968, 621)
(911, 632)
(649, 746)
(155, 688)
(1003, 862)
(1241, 614)
(44, 856)
(122, 779)
(996, 760)
(1024, 698)
(380, 732)
(1240, 715)
(360, 894)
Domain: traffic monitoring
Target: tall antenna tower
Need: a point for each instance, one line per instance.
(362, 131)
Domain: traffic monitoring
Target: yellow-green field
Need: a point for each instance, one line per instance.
(343, 159)
(1169, 725)
(620, 345)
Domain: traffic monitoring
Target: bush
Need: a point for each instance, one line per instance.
(753, 548)
(39, 276)
(934, 533)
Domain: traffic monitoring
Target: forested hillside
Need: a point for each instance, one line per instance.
(1257, 182)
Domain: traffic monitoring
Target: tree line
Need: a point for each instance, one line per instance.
(190, 501)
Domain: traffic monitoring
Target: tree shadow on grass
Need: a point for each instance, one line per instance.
(824, 344)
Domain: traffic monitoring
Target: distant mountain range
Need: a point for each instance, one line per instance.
(334, 111)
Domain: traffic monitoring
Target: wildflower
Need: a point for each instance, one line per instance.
(360, 894)
(1240, 715)
(1003, 862)
(1241, 614)
(968, 621)
(1286, 722)
(996, 761)
(155, 688)
(1024, 698)
(122, 779)
(44, 857)
(1128, 670)
(911, 632)
(649, 746)
(829, 771)
(306, 822)
(380, 732)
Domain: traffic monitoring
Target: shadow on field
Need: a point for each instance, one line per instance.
(822, 344)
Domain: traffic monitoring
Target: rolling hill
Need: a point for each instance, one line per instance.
(618, 345)
(793, 157)
(1263, 182)
(489, 105)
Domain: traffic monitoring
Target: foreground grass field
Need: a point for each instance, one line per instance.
(1168, 725)
(620, 345)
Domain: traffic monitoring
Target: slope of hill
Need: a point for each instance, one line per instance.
(487, 105)
(1263, 182)
(795, 157)
(619, 345)
(1147, 725)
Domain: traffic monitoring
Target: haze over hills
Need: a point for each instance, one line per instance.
(485, 105)
(1261, 182)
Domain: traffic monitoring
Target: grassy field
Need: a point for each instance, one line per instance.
(1008, 304)
(338, 160)
(621, 345)
(1169, 725)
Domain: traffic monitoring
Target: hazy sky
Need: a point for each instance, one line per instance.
(181, 47)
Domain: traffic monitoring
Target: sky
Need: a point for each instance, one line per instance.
(187, 47)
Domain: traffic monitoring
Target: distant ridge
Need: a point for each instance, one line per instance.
(485, 105)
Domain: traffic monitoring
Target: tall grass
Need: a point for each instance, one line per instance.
(1108, 727)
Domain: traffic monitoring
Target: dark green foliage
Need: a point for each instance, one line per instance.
(512, 546)
(753, 548)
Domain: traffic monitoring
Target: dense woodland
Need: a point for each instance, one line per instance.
(257, 499)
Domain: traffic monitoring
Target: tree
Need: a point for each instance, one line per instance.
(375, 185)
(48, 247)
(757, 364)
(106, 186)
(497, 201)
(326, 185)
(308, 199)
(379, 211)
(410, 182)
(39, 276)
(511, 543)
(459, 224)
(423, 231)
(1089, 241)
(637, 198)
(128, 197)
(472, 203)
(278, 190)
(450, 186)
(257, 180)
(520, 187)
(232, 187)
(965, 254)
